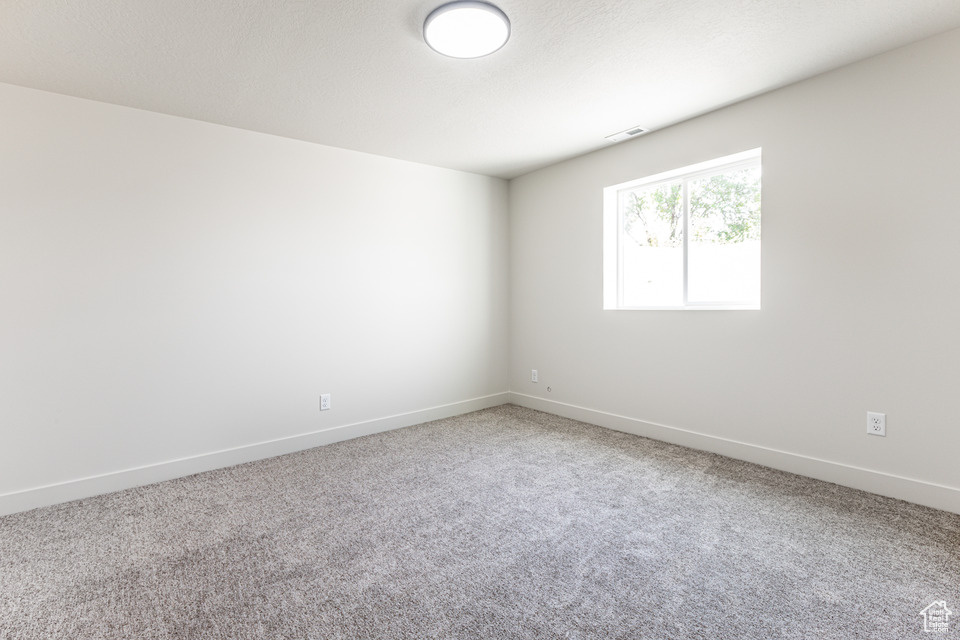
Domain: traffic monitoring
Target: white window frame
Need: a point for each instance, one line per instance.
(613, 232)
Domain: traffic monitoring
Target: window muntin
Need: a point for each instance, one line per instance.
(685, 239)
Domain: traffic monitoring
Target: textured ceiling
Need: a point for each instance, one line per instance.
(356, 73)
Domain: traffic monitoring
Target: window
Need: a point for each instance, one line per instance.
(685, 239)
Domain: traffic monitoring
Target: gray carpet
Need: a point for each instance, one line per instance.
(505, 523)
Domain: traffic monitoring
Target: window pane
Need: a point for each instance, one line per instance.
(651, 246)
(723, 252)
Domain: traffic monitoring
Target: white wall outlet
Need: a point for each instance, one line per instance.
(876, 423)
(324, 401)
(533, 375)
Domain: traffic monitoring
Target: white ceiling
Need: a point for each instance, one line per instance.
(357, 74)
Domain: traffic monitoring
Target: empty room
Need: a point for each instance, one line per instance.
(537, 319)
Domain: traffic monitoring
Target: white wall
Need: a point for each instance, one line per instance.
(861, 275)
(172, 288)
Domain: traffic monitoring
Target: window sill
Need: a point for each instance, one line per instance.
(742, 307)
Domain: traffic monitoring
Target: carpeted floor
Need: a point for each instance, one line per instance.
(505, 523)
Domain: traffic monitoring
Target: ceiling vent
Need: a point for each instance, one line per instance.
(629, 133)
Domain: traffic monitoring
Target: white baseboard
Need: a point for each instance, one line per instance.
(139, 476)
(885, 484)
(916, 491)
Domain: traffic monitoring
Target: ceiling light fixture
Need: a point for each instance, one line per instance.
(464, 29)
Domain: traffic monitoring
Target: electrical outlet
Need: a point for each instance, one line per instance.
(324, 401)
(876, 423)
(533, 375)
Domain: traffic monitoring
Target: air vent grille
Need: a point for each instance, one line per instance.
(629, 133)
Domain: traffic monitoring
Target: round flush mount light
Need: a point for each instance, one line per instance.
(465, 29)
